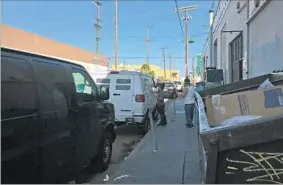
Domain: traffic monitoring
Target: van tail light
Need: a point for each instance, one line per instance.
(140, 98)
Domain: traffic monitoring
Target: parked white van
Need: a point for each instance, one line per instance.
(133, 95)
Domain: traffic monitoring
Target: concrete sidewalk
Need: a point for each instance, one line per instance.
(175, 162)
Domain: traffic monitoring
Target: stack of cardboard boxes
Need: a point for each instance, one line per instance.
(266, 102)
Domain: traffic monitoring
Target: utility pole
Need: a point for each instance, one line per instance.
(164, 61)
(193, 69)
(116, 35)
(170, 65)
(148, 43)
(186, 18)
(97, 24)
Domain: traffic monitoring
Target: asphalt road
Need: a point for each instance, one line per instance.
(127, 138)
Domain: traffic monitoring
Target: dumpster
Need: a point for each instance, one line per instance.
(244, 85)
(250, 151)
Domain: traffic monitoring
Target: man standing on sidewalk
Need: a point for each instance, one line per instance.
(189, 94)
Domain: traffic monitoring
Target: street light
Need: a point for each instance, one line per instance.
(194, 7)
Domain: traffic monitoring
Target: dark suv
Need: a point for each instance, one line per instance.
(55, 121)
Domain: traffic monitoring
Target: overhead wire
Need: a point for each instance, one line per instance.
(141, 57)
(141, 38)
(179, 18)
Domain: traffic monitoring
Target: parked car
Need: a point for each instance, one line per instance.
(179, 86)
(170, 90)
(134, 97)
(54, 120)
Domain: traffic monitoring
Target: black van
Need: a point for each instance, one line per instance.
(54, 119)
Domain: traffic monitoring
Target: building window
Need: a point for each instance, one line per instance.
(236, 55)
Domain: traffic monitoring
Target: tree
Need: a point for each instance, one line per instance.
(146, 70)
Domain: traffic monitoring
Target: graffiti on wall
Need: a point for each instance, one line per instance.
(263, 166)
(260, 163)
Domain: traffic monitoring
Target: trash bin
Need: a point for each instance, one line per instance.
(250, 152)
(244, 85)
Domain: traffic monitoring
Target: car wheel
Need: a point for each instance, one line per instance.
(104, 152)
(145, 127)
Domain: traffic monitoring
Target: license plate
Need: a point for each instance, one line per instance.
(165, 89)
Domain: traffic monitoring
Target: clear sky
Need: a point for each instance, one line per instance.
(71, 22)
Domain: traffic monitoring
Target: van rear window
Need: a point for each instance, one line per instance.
(103, 80)
(123, 87)
(123, 81)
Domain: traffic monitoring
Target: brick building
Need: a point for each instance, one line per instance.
(13, 38)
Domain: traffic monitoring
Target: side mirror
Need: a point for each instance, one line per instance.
(103, 93)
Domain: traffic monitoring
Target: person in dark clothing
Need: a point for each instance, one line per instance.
(161, 105)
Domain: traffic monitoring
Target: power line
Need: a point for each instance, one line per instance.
(186, 18)
(141, 38)
(179, 19)
(148, 43)
(143, 57)
(157, 22)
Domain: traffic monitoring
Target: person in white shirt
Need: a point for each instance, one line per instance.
(189, 94)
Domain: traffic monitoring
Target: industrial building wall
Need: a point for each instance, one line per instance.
(266, 40)
(233, 19)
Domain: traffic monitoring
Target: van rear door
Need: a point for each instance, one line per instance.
(122, 95)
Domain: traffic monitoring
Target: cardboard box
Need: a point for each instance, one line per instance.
(255, 102)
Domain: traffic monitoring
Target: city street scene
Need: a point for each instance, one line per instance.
(142, 92)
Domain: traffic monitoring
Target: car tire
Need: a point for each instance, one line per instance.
(103, 157)
(145, 126)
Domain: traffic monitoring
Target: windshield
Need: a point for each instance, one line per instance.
(178, 83)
